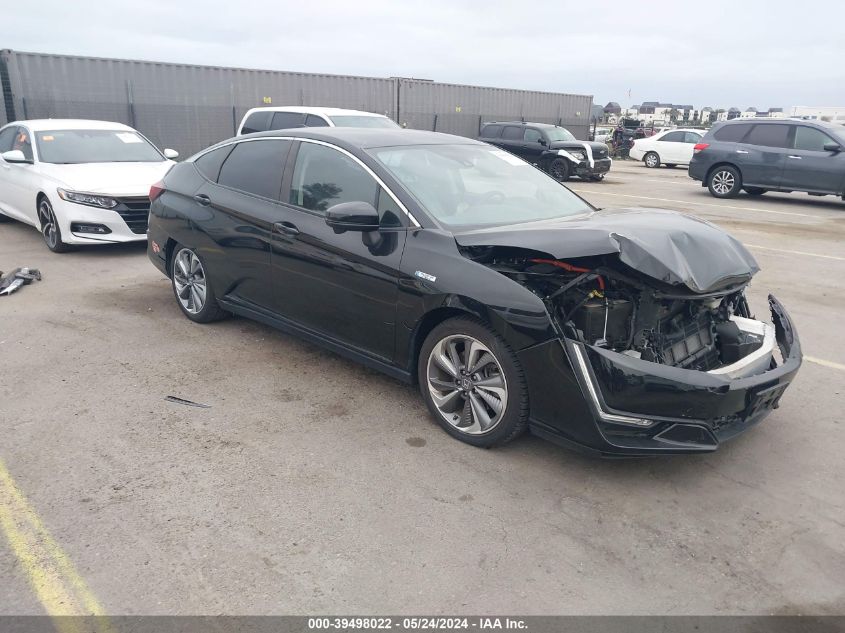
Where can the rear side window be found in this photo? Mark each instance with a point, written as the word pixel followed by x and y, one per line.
pixel 769 135
pixel 491 131
pixel 512 133
pixel 209 164
pixel 324 177
pixel 286 120
pixel 691 137
pixel 315 121
pixel 256 167
pixel 673 137
pixel 257 122
pixel 732 133
pixel 810 139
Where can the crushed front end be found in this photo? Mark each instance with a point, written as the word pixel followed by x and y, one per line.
pixel 660 368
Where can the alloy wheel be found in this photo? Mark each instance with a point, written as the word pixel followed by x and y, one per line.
pixel 723 182
pixel 48 224
pixel 467 384
pixel 189 281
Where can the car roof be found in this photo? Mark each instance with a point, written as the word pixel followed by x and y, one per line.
pixel 38 125
pixel 365 138
pixel 531 123
pixel 316 110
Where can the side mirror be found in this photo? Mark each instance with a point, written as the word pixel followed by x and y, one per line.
pixel 171 154
pixel 352 216
pixel 541 141
pixel 828 147
pixel 15 156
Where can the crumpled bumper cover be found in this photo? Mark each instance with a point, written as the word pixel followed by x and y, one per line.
pixel 644 408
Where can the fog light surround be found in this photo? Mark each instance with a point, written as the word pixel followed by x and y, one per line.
pixel 88 227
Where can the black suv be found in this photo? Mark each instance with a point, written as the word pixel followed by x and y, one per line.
pixel 553 148
pixel 760 156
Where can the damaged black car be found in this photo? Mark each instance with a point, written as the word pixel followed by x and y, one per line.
pixel 512 302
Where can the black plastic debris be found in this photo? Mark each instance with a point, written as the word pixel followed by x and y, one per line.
pixel 187 403
pixel 13 280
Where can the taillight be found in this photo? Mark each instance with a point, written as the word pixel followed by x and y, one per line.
pixel 700 147
pixel 156 190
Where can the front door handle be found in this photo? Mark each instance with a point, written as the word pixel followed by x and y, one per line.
pixel 795 157
pixel 202 199
pixel 287 228
pixel 741 151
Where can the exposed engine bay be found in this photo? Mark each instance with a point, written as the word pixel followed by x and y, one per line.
pixel 602 302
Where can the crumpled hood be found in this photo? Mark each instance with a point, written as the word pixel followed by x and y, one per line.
pixel 116 179
pixel 672 247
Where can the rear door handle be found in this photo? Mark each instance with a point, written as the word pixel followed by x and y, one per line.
pixel 287 228
pixel 202 199
pixel 741 151
pixel 795 157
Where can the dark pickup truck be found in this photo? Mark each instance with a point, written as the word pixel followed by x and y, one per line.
pixel 553 148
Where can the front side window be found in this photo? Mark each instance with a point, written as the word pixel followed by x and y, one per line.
pixel 350 120
pixel 810 139
pixel 312 120
pixel 768 135
pixel 559 134
pixel 532 136
pixel 478 185
pixel 256 167
pixel 95 146
pixel 323 177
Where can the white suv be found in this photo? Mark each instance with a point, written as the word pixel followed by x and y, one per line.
pixel 287 117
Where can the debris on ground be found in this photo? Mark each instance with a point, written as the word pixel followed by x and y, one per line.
pixel 13 280
pixel 187 403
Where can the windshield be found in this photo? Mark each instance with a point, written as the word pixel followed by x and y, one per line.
pixel 362 121
pixel 559 134
pixel 95 146
pixel 478 185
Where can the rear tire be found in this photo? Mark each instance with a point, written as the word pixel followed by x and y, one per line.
pixel 651 160
pixel 755 191
pixel 671 165
pixel 559 169
pixel 191 287
pixel 724 182
pixel 472 383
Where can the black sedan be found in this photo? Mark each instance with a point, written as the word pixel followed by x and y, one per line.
pixel 512 302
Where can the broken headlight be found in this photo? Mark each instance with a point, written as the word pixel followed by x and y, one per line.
pixel 88 199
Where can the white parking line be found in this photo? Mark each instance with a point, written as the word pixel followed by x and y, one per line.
pixel 673 182
pixel 701 204
pixel 780 250
pixel 825 363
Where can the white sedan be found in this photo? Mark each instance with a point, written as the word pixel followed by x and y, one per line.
pixel 78 181
pixel 670 148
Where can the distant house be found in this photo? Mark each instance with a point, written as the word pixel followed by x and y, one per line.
pixel 833 114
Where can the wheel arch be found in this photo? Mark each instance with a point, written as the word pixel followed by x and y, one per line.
pixel 41 195
pixel 431 320
pixel 722 163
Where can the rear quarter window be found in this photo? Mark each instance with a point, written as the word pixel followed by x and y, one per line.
pixel 257 122
pixel 209 164
pixel 491 131
pixel 732 133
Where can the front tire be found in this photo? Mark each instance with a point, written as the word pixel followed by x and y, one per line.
pixel 50 230
pixel 472 383
pixel 191 287
pixel 559 169
pixel 724 182
pixel 651 160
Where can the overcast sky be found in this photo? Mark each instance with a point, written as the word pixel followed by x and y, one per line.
pixel 705 52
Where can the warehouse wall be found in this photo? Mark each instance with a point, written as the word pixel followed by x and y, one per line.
pixel 190 107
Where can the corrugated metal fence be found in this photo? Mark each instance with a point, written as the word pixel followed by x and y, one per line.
pixel 190 107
